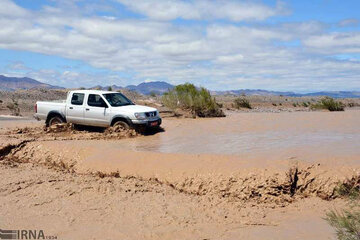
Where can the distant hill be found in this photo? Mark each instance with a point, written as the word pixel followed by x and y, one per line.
pixel 336 94
pixel 14 83
pixel 151 87
pixel 145 88
pixel 159 87
pixel 260 92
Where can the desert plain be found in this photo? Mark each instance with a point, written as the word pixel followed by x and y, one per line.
pixel 270 173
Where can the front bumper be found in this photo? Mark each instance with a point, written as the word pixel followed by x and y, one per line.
pixel 147 122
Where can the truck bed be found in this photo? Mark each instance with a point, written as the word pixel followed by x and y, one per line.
pixel 44 107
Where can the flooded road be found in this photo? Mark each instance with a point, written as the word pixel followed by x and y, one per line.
pixel 303 135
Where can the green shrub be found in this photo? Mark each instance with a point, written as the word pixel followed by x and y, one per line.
pixel 329 104
pixel 242 102
pixel 305 104
pixel 346 223
pixel 110 88
pixel 188 97
pixel 350 188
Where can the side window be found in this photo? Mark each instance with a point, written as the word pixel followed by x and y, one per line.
pixel 77 99
pixel 95 100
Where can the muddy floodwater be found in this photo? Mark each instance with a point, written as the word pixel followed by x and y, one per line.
pixel 246 176
pixel 302 135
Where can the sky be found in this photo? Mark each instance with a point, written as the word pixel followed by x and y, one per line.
pixel 283 45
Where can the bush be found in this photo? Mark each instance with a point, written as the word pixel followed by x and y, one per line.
pixel 329 104
pixel 242 102
pixel 152 94
pixel 14 107
pixel 346 224
pixel 198 101
pixel 350 188
pixel 110 88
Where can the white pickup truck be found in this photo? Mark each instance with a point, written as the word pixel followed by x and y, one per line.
pixel 97 108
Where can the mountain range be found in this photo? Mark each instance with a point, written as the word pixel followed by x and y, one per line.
pixel 14 83
pixel 261 92
pixel 145 88
pixel 159 87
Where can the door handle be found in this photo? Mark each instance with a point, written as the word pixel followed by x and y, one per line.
pixel 87 109
pixel 71 107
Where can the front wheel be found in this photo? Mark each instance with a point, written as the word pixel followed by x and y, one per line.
pixel 55 120
pixel 121 125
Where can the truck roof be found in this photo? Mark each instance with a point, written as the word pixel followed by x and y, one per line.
pixel 93 91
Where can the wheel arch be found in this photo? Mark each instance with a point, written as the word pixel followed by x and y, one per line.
pixel 52 114
pixel 121 118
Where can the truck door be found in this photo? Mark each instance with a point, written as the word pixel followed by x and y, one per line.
pixel 97 111
pixel 75 109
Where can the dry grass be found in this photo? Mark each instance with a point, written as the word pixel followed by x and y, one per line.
pixel 13 106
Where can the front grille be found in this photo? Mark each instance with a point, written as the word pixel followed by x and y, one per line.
pixel 151 114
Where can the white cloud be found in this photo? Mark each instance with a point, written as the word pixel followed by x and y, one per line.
pixel 229 58
pixel 335 42
pixel 17 66
pixel 204 9
pixel 213 54
pixel 351 22
pixel 10 9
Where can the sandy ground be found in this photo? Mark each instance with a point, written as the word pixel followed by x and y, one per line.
pixel 181 184
pixel 86 207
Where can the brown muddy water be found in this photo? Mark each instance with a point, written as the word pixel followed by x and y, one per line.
pixel 221 178
pixel 303 135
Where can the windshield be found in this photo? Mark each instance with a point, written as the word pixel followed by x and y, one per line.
pixel 117 99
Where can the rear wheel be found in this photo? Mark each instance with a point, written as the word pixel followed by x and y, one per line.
pixel 121 125
pixel 55 120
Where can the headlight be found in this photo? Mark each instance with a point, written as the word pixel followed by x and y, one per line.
pixel 140 115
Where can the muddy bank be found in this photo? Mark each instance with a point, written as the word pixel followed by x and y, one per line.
pixel 65 132
pixel 73 206
pixel 274 184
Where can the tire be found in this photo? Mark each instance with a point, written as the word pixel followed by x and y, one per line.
pixel 121 125
pixel 55 120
